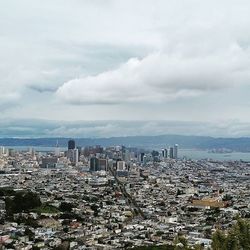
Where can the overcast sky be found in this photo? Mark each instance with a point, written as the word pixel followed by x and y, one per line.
pixel 174 60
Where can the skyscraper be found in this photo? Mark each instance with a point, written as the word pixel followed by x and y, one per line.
pixel 73 153
pixel 171 153
pixel 71 144
pixel 175 151
pixel 57 151
pixel 164 153
pixel 103 163
pixel 93 164
pixel 141 155
pixel 75 156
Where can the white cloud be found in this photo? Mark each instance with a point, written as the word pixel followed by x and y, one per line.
pixel 160 77
pixel 124 52
pixel 7 100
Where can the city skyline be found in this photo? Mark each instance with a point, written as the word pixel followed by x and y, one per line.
pixel 124 124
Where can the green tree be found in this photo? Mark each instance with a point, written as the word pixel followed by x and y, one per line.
pixel 232 241
pixel 181 243
pixel 66 207
pixel 198 247
pixel 22 202
pixel 219 240
pixel 242 232
pixel 238 237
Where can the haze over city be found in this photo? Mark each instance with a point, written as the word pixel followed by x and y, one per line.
pixel 183 67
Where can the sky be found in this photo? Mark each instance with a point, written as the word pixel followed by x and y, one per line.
pixel 161 66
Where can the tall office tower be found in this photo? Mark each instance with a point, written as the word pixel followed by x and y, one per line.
pixel 103 164
pixel 11 152
pixel 175 151
pixel 75 156
pixel 33 152
pixel 121 169
pixel 79 151
pixel 145 159
pixel 6 151
pixel 171 153
pixel 57 151
pixel 141 155
pixel 127 155
pixel 70 153
pixel 71 144
pixel 164 153
pixel 121 166
pixel 1 150
pixel 93 164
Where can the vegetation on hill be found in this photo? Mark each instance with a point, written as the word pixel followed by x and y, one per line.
pixel 47 209
pixel 236 238
pixel 22 201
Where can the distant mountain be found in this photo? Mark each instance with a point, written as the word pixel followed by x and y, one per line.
pixel 148 142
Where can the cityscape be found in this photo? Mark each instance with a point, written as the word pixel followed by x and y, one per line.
pixel 117 198
pixel 124 124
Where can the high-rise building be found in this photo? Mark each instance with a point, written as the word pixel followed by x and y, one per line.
pixel 164 153
pixel 127 155
pixel 121 165
pixel 103 164
pixel 141 155
pixel 79 151
pixel 49 162
pixel 11 152
pixel 175 151
pixel 93 164
pixel 145 159
pixel 75 156
pixel 73 152
pixel 121 169
pixel 57 151
pixel 71 144
pixel 171 153
pixel 1 150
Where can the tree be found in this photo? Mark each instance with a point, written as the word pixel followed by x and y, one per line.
pixel 22 202
pixel 219 240
pixel 66 207
pixel 232 241
pixel 242 233
pixel 238 237
pixel 227 197
pixel 198 247
pixel 181 243
pixel 29 233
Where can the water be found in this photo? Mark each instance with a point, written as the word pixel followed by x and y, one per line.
pixel 194 154
pixel 202 154
pixel 37 149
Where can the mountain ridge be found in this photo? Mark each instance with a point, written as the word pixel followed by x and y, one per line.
pixel 241 144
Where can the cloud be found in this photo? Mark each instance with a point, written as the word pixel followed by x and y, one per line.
pixel 190 53
pixel 160 77
pixel 8 100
